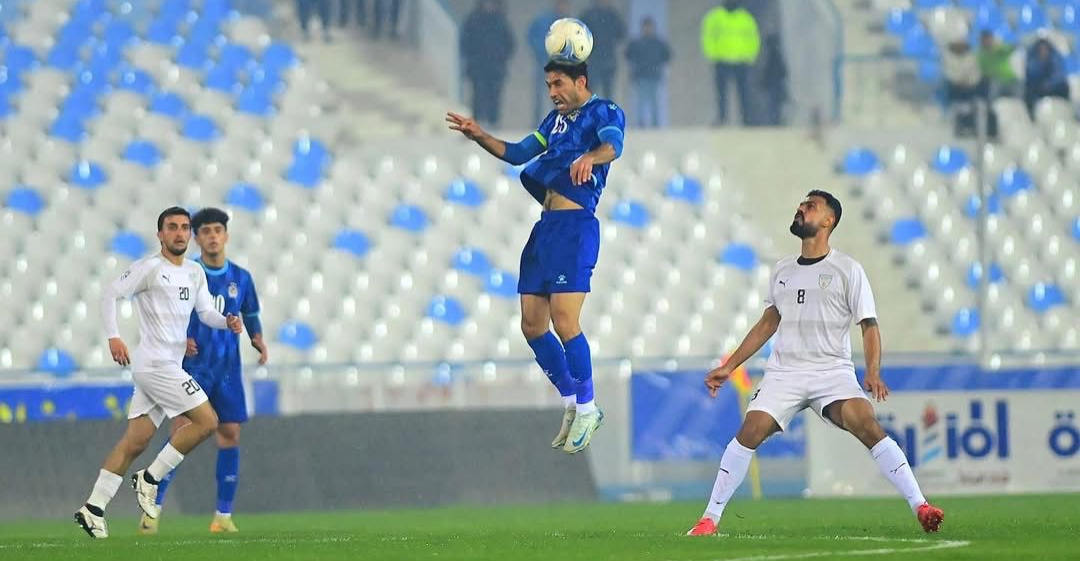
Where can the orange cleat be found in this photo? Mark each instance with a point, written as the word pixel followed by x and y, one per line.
pixel 704 527
pixel 930 517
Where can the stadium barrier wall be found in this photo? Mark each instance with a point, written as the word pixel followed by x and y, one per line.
pixel 312 462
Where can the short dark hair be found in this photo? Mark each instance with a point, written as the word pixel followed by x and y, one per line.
pixel 209 215
pixel 830 200
pixel 574 71
pixel 171 211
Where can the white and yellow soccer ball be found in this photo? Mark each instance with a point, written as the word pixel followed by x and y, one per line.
pixel 569 41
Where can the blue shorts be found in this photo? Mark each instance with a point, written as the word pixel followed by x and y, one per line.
pixel 561 253
pixel 226 394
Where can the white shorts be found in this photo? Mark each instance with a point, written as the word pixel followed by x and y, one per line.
pixel 783 394
pixel 163 391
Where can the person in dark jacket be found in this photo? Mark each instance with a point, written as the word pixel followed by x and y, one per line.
pixel 1045 74
pixel 647 55
pixel 774 81
pixel 487 44
pixel 608 29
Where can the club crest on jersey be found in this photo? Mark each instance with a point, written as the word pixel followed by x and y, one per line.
pixel 233 290
pixel 561 126
pixel 824 281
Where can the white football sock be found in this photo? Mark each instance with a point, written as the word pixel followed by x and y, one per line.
pixel 733 467
pixel 104 489
pixel 895 467
pixel 569 401
pixel 166 461
pixel 586 408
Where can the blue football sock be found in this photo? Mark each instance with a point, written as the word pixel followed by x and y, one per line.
pixel 228 474
pixel 552 359
pixel 579 359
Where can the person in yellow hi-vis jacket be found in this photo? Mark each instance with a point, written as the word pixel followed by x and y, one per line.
pixel 731 41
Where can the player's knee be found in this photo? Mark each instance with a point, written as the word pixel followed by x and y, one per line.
pixel 532 329
pixel 566 326
pixel 228 435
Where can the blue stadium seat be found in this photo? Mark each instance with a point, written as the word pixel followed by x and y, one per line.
pixel 447 310
pixel 988 16
pixel 1012 181
pixel 1060 3
pixel 255 101
pixel 974 275
pixel 929 71
pixel 1076 229
pixel 142 152
pixel 464 192
pixel 163 32
pixel 472 261
pixel 353 242
pixel 266 79
pixel 1069 18
pixel 135 80
pixel 298 335
pixel 63 57
pixel 25 200
pixel 965 323
pixel 6 109
pixel 501 283
pixel 860 161
pixel 739 255
pixel 57 362
pixel 119 33
pixel 631 213
pixel 128 244
pixel 685 188
pixel 1032 18
pixel 409 217
pixel 305 173
pixel 278 56
pixel 80 103
pixel 236 57
pixel 174 9
pixel 972 5
pixel 194 55
pixel 168 104
pixel 971 209
pixel 948 160
pixel 245 196
pixel 10 83
pixel 917 43
pixel 199 128
pixel 906 230
pixel 307 148
pixel 1044 296
pixel 899 21
pixel 87 175
pixel 223 79
pixel 69 128
pixel 931 4
pixel 19 58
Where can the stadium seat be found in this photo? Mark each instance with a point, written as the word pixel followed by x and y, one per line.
pixel 686 189
pixel 87 175
pixel 631 213
pixel 906 230
pixel 1044 296
pixel 472 261
pixel 965 323
pixel 410 218
pixel 297 335
pixel 245 196
pixel 948 160
pixel 464 192
pixel 899 21
pixel 502 284
pixel 25 200
pixel 860 162
pixel 129 245
pixel 447 310
pixel 352 242
pixel 740 256
pixel 57 362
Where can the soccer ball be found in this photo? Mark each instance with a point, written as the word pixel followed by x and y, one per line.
pixel 568 41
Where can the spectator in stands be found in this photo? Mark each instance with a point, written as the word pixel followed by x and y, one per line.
pixel 608 29
pixel 774 81
pixel 1045 74
pixel 964 83
pixel 388 14
pixel 648 55
pixel 537 32
pixel 346 7
pixel 487 44
pixel 995 64
pixel 321 8
pixel 731 41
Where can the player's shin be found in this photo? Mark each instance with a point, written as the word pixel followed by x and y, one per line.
pixel 165 462
pixel 579 362
pixel 228 475
pixel 895 467
pixel 733 467
pixel 552 359
pixel 104 489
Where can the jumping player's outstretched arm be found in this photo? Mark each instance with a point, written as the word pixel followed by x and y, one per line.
pixel 516 154
pixel 754 340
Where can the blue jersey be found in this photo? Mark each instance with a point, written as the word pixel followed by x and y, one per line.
pixel 566 138
pixel 219 349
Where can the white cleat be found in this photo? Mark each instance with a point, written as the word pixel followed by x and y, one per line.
pixel 146 493
pixel 581 431
pixel 93 524
pixel 564 430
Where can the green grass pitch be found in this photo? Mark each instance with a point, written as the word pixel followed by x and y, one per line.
pixel 998 527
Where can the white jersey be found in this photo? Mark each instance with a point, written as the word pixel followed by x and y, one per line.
pixel 818 303
pixel 165 295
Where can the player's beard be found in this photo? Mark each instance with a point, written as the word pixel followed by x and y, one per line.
pixel 175 250
pixel 802 230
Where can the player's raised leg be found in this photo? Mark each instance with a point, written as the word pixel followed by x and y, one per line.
pixel 550 355
pixel 91 517
pixel 145 482
pixel 857 417
pixel 756 427
pixel 566 316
